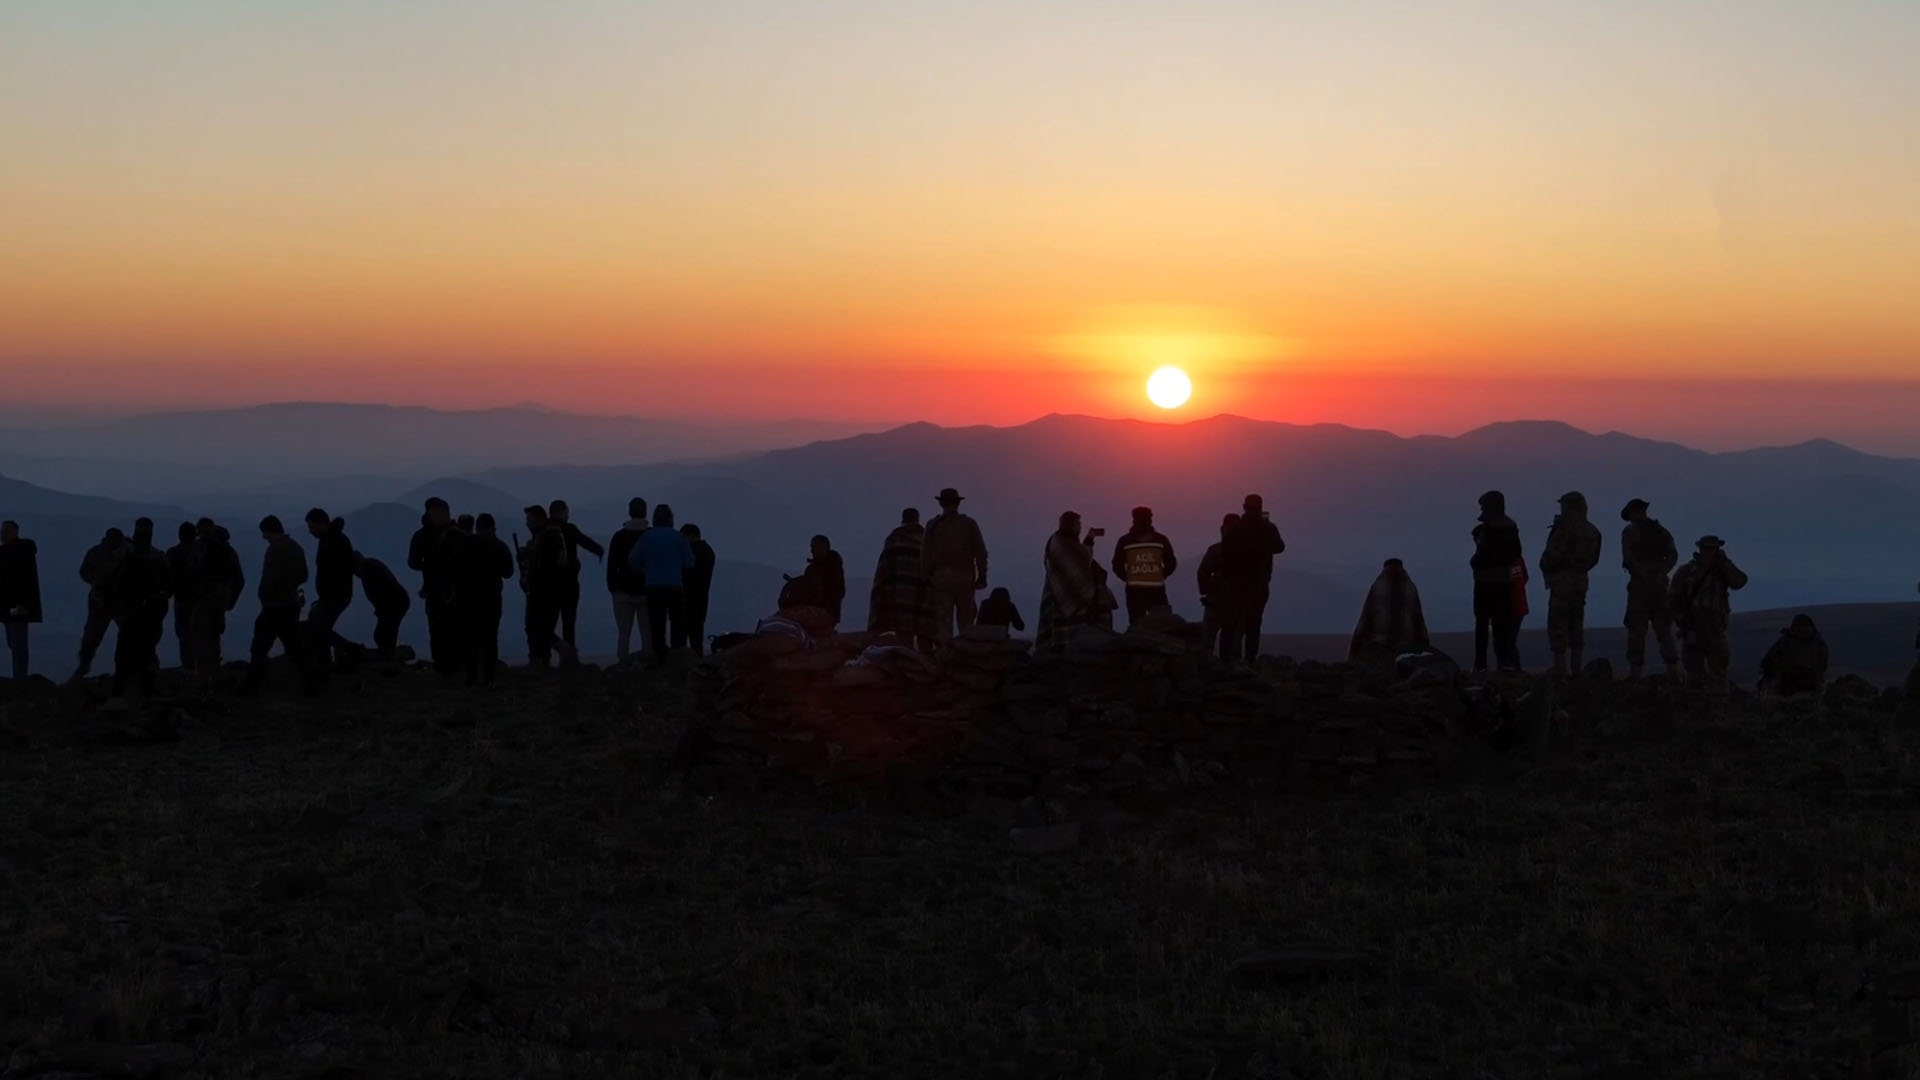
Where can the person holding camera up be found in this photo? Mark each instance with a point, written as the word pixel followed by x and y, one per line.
pixel 1076 592
pixel 1247 579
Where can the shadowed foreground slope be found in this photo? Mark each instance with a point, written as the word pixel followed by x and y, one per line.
pixel 517 885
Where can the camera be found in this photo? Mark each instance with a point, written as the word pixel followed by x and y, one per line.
pixel 1095 534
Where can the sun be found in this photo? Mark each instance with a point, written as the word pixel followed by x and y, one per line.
pixel 1169 388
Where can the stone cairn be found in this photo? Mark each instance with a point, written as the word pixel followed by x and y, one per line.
pixel 1145 710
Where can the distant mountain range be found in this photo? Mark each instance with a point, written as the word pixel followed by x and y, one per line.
pixel 226 452
pixel 1816 523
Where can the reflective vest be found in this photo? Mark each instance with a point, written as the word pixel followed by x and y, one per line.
pixel 1145 562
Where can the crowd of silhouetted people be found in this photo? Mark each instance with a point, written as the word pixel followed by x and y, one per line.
pixel 927 588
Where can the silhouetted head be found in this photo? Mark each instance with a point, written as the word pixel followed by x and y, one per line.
pixel 113 538
pixel 536 517
pixel 1394 566
pixel 557 510
pixel 143 533
pixel 910 516
pixel 1709 545
pixel 1492 504
pixel 663 516
pixel 821 545
pixel 1803 625
pixel 439 514
pixel 690 531
pixel 1254 505
pixel 637 509
pixel 464 523
pixel 9 531
pixel 1142 516
pixel 187 532
pixel 270 527
pixel 1635 510
pixel 1070 523
pixel 1228 523
pixel 950 499
pixel 1574 504
pixel 1000 594
pixel 203 527
pixel 485 525
pixel 318 522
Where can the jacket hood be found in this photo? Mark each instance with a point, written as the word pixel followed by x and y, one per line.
pixel 1573 506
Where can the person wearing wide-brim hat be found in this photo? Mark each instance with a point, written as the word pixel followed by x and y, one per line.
pixel 954 559
pixel 1703 607
pixel 1648 554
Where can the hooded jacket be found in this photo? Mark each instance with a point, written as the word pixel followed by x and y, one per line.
pixel 1144 559
pixel 1572 549
pixel 282 571
pixel 20 582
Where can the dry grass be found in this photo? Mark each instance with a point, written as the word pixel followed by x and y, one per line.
pixel 516 885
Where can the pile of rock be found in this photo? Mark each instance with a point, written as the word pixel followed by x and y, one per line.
pixel 1112 713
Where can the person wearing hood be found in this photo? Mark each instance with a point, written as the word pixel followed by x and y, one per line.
pixel 96 569
pixel 627 582
pixel 1247 574
pixel 1391 620
pixel 139 598
pixel 1216 596
pixel 183 573
pixel 283 571
pixel 953 558
pixel 218 583
pixel 666 558
pixel 901 602
pixel 486 565
pixel 562 517
pixel 1143 560
pixel 1797 662
pixel 431 553
pixel 1648 555
pixel 1571 552
pixel 332 589
pixel 1703 608
pixel 1499 585
pixel 19 593
pixel 389 601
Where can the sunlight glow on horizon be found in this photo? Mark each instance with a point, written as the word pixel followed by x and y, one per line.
pixel 1003 208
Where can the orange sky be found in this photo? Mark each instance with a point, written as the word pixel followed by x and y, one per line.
pixel 978 212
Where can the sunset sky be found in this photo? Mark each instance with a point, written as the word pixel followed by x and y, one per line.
pixel 1406 216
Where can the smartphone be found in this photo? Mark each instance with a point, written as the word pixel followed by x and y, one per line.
pixel 1095 534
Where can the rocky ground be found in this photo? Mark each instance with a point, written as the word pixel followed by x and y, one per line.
pixel 406 880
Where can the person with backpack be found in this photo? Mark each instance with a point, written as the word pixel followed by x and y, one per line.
pixel 1648 555
pixel 627 582
pixel 665 558
pixel 1571 553
pixel 698 594
pixel 218 583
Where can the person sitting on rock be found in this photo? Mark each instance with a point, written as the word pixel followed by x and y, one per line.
pixel 998 610
pixel 1391 621
pixel 1797 663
